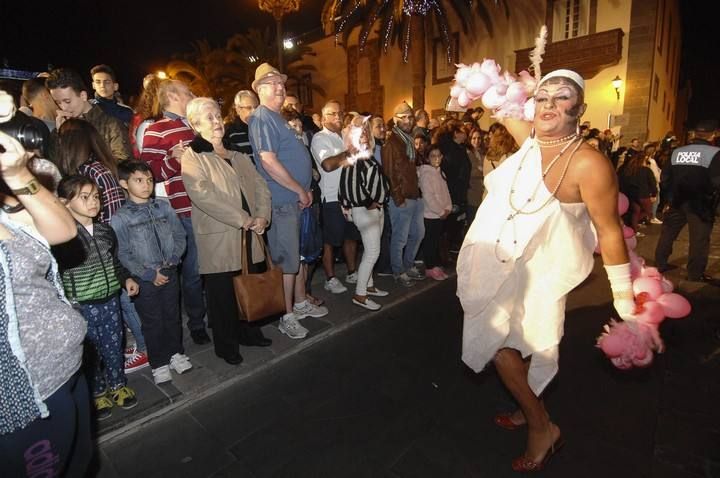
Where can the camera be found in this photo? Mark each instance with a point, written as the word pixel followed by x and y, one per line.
pixel 21 128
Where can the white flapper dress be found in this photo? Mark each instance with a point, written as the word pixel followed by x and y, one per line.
pixel 515 270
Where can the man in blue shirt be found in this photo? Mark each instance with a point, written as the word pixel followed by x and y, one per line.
pixel 285 164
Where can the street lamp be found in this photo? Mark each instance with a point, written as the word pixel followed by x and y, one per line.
pixel 617 83
pixel 278 9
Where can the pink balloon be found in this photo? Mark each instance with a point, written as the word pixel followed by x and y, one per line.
pixel 675 306
pixel 667 286
pixel 646 284
pixel 645 360
pixel 455 90
pixel 631 242
pixel 462 74
pixel 620 363
pixel 612 345
pixel 527 80
pixel 628 232
pixel 516 93
pixel 623 203
pixel 652 313
pixel 651 272
pixel 477 83
pixel 463 99
pixel 529 109
pixel 491 69
pixel 491 99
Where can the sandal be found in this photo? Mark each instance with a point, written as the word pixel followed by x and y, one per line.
pixel 504 420
pixel 524 464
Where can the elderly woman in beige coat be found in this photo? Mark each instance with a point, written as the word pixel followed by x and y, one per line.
pixel 228 198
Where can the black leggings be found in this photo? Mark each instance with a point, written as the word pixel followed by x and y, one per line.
pixel 58 445
pixel 431 242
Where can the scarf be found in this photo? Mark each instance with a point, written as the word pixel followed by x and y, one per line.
pixel 409 143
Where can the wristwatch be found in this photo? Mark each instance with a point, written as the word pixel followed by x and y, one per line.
pixel 32 187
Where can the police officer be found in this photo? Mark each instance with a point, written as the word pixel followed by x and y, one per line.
pixel 691 183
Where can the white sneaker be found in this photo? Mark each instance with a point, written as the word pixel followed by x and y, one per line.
pixel 369 304
pixel 335 286
pixel 180 363
pixel 306 309
pixel 161 375
pixel 655 221
pixel 351 278
pixel 291 327
pixel 377 292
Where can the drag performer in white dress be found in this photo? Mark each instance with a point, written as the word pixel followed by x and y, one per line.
pixel 530 244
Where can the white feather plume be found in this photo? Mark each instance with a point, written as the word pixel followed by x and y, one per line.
pixel 538 52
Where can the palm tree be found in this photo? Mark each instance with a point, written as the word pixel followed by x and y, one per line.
pixel 257 46
pixel 401 21
pixel 208 71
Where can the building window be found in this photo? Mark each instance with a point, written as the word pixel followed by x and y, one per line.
pixel 571 19
pixel 662 26
pixel 656 87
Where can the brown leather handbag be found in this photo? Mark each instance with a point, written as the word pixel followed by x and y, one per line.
pixel 259 295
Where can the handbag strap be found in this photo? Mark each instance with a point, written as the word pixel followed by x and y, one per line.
pixel 248 246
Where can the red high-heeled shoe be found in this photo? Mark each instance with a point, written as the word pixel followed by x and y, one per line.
pixel 504 420
pixel 524 464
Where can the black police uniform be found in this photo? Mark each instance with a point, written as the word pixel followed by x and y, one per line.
pixel 691 183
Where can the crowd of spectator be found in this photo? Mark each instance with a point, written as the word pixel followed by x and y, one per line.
pixel 166 195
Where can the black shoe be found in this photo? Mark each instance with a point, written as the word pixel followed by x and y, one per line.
pixel 253 337
pixel 200 337
pixel 256 342
pixel 703 278
pixel 234 359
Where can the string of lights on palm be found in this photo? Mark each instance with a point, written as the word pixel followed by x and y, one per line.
pixel 395 19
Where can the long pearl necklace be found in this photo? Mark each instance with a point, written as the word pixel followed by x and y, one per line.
pixel 516 211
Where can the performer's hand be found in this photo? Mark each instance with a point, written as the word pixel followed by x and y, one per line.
pixel 625 308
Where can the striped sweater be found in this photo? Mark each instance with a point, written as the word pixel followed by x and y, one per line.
pixel 90 269
pixel 160 137
pixel 363 184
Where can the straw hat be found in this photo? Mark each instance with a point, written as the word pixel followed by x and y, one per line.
pixel 265 72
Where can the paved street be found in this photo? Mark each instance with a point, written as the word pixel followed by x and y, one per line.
pixel 389 397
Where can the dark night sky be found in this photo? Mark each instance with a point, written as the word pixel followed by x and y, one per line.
pixel 137 37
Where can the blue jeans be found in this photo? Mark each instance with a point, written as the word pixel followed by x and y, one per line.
pixel 408 230
pixel 132 320
pixel 192 289
pixel 159 309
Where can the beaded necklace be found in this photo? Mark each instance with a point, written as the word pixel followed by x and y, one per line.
pixel 555 142
pixel 516 211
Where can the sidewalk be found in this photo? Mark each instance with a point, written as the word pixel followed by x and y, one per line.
pixel 211 374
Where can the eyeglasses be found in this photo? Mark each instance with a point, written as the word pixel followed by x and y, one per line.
pixel 334 113
pixel 246 107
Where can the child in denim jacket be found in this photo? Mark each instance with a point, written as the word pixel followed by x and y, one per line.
pixel 151 242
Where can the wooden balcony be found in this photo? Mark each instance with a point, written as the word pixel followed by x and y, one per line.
pixel 586 55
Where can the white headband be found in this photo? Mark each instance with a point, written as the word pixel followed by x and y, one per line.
pixel 563 74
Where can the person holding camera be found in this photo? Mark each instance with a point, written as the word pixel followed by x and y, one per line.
pixel 45 409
